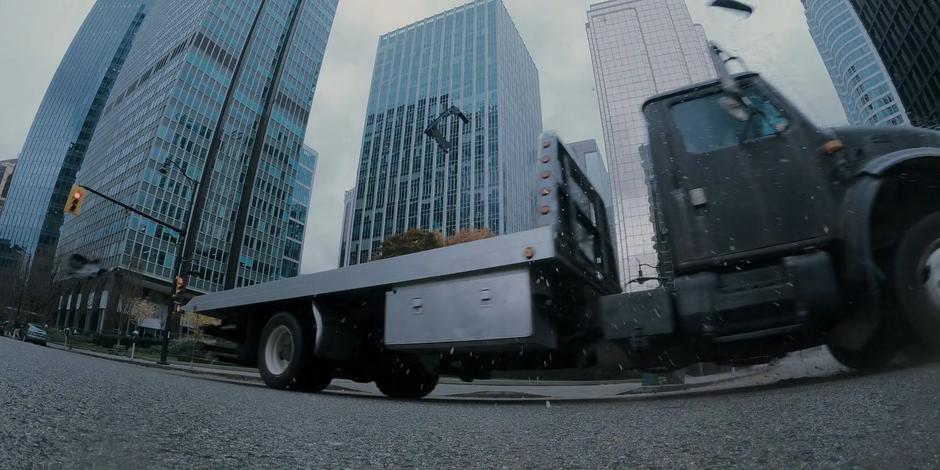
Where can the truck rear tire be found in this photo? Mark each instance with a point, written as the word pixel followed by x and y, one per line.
pixel 917 278
pixel 285 355
pixel 407 378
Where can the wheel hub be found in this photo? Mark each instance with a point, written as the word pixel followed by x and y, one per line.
pixel 279 350
pixel 931 273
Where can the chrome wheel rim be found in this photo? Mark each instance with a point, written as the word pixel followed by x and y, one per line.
pixel 931 273
pixel 279 350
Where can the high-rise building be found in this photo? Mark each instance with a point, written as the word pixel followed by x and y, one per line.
pixel 7 167
pixel 858 74
pixel 298 213
pixel 349 205
pixel 471 57
pixel 638 48
pixel 210 112
pixel 906 34
pixel 67 118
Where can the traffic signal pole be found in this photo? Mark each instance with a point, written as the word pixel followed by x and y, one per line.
pixel 179 281
pixel 142 214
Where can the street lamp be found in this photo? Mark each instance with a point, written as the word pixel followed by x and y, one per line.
pixel 179 280
pixel 434 131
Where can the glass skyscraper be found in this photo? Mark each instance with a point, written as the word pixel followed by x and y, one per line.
pixel 219 93
pixel 297 214
pixel 906 34
pixel 349 204
pixel 471 57
pixel 639 48
pixel 58 139
pixel 858 74
pixel 7 167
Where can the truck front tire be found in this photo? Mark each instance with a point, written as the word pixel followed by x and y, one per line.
pixel 917 278
pixel 406 378
pixel 285 355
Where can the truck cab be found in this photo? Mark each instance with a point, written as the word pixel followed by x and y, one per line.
pixel 775 235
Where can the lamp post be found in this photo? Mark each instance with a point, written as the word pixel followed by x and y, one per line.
pixel 179 281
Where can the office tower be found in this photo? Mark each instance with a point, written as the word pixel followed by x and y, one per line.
pixel 638 48
pixel 906 34
pixel 299 211
pixel 64 124
pixel 209 114
pixel 349 204
pixel 471 57
pixel 858 74
pixel 7 167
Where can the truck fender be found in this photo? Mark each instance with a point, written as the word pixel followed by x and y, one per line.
pixel 879 165
pixel 860 273
pixel 335 339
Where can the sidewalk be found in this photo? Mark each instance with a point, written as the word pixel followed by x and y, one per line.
pixel 452 388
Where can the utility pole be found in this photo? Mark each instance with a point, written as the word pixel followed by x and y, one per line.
pixel 181 279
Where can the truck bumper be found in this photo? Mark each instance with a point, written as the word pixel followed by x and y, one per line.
pixel 798 293
pixel 727 317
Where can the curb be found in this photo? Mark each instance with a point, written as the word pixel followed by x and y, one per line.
pixel 169 367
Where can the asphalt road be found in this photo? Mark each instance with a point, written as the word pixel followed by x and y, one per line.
pixel 62 409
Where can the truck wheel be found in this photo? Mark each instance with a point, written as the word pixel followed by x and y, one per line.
pixel 285 355
pixel 408 379
pixel 917 278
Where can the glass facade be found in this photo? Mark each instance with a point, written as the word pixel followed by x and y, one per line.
pixel 298 212
pixel 473 57
pixel 63 126
pixel 222 90
pixel 7 167
pixel 349 205
pixel 638 48
pixel 906 34
pixel 864 87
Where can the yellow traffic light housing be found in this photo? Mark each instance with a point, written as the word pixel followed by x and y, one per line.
pixel 73 205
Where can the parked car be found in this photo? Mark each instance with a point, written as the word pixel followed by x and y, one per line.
pixel 34 333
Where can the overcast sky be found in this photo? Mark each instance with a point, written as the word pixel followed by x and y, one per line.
pixel 773 41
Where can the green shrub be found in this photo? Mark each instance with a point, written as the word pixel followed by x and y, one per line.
pixel 412 241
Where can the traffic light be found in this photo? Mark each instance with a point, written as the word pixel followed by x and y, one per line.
pixel 180 285
pixel 73 205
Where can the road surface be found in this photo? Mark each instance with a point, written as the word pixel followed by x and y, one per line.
pixel 63 409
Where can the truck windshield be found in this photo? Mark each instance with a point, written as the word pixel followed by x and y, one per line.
pixel 706 127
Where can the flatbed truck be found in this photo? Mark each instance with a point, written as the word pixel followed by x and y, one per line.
pixel 773 235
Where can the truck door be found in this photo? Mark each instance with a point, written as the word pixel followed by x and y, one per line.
pixel 743 187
